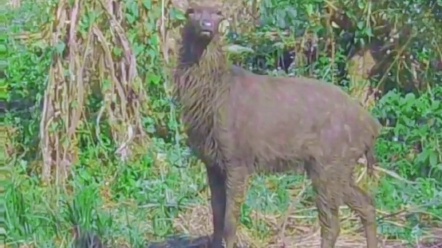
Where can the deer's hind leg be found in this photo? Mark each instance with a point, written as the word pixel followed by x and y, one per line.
pixel 361 203
pixel 327 203
pixel 328 216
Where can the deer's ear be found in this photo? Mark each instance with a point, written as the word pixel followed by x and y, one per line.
pixel 190 11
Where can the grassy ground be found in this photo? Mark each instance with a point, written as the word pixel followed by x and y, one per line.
pixel 150 199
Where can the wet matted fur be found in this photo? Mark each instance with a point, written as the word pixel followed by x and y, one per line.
pixel 240 123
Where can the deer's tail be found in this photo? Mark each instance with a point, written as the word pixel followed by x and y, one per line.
pixel 371 160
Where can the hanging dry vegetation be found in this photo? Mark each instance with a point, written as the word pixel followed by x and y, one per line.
pixel 92 52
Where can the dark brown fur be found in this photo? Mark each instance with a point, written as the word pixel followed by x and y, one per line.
pixel 240 123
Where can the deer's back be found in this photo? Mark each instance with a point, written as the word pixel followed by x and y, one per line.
pixel 278 118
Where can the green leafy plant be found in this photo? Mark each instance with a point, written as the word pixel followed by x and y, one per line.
pixel 412 137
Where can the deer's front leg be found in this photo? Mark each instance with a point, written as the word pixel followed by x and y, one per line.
pixel 217 183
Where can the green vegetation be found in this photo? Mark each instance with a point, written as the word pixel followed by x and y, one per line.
pixel 95 141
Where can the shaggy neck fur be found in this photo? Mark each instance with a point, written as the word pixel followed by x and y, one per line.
pixel 202 77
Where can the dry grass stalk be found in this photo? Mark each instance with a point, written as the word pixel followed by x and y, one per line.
pixel 14 4
pixel 88 59
pixel 7 134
